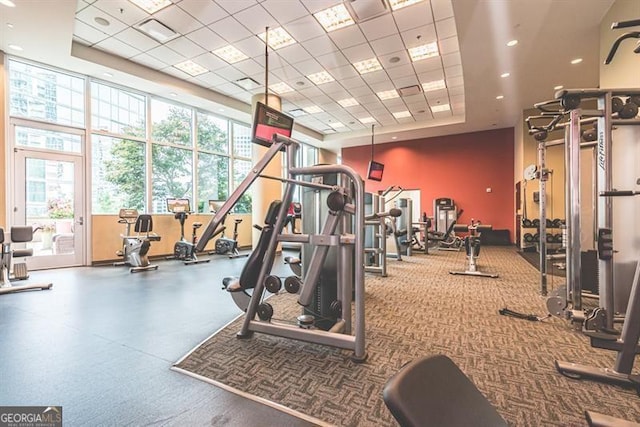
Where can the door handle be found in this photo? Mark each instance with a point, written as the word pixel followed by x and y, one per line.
pixel 80 221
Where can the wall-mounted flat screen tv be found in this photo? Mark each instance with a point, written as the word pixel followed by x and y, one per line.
pixel 268 121
pixel 375 171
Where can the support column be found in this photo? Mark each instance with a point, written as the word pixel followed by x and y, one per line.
pixel 264 191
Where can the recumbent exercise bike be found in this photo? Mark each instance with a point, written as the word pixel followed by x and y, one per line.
pixel 135 248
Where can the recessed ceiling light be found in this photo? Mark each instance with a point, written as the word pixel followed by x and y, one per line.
pixel 511 43
pixel 576 61
pixel 173 94
pixel 558 87
pixel 151 6
pixel 402 114
pixel 297 112
pixel 503 75
pixel 157 30
pixel 348 102
pixel 247 83
pixel 399 4
pixel 278 38
pixel 191 68
pixel 101 21
pixel 500 97
pixel 230 54
pixel 440 108
pixel 7 3
pixel 394 59
pixel 394 137
pixel 107 74
pixel 336 125
pixel 388 94
pixel 281 88
pixel 367 120
pixel 15 47
pixel 334 17
pixel 424 51
pixel 313 109
pixel 434 85
pixel 368 65
pixel 320 78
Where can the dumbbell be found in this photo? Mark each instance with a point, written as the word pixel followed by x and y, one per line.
pixel 536 237
pixel 550 238
pixel 549 223
pixel 535 223
pixel 590 135
pixel 557 238
pixel 616 104
pixel 526 222
pixel 528 237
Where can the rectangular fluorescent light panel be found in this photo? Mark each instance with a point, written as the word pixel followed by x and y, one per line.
pixel 230 54
pixel 367 120
pixel 334 18
pixel 321 78
pixel 157 30
pixel 348 102
pixel 368 65
pixel 314 109
pixel 399 4
pixel 336 125
pixel 280 88
pixel 278 38
pixel 424 51
pixel 440 108
pixel 297 112
pixel 434 85
pixel 191 68
pixel 402 114
pixel 151 6
pixel 388 94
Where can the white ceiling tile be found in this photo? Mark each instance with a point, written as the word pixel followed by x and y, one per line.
pixel 311 92
pixel 390 44
pixel 446 28
pixel 88 15
pixel 148 61
pixel 166 55
pixel 449 45
pixel 437 100
pixel 210 61
pixel 124 10
pixel 173 71
pixel 275 61
pixel 81 5
pixel 88 33
pixel 285 10
pixel 413 16
pixel 318 5
pixel 338 94
pixel 233 6
pixel 305 28
pixel 379 27
pixel 359 52
pixel 177 19
pixel 437 94
pixel 294 53
pixel 230 30
pixel 419 36
pixel 319 46
pixel 404 70
pixel 249 67
pixel 252 46
pixel 442 9
pixel 210 79
pixel 229 88
pixel 353 82
pixel 205 11
pixel 255 19
pixel 394 103
pixel 331 88
pixel 230 73
pixel 453 71
pixel 332 60
pixel 360 90
pixel 137 39
pixel 429 64
pixel 185 47
pixel 455 81
pixel 321 98
pixel 458 99
pixel 416 101
pixel 310 66
pixel 287 73
pixel 376 77
pixel 347 37
pixel 458 90
pixel 406 81
pixel 117 47
pixel 429 76
pixel 344 72
pixel 451 59
pixel 207 39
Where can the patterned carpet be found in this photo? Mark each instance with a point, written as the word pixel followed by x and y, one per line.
pixel 420 309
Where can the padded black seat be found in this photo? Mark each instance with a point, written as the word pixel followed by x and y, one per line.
pixel 433 391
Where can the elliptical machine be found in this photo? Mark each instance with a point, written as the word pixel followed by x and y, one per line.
pixel 184 250
pixel 135 248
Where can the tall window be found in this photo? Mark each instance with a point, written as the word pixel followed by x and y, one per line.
pixel 170 123
pixel 43 94
pixel 242 164
pixel 117 111
pixel 213 159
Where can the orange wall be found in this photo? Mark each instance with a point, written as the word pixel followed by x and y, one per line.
pixel 461 167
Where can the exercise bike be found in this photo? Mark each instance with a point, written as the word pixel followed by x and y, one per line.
pixel 472 248
pixel 183 250
pixel 225 245
pixel 135 249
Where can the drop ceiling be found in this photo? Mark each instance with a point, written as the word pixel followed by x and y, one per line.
pixel 94 36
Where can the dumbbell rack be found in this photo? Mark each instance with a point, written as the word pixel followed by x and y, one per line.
pixel 533 239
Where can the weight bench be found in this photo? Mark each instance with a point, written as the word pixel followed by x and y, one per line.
pixel 21 234
pixel 433 391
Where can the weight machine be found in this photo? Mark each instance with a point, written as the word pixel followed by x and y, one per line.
pixel 472 248
pixel 20 234
pixel 376 233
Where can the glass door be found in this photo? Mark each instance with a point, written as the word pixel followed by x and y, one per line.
pixel 48 196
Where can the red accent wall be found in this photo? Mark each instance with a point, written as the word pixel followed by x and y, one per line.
pixel 461 167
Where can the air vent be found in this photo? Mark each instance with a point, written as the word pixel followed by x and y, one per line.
pixel 363 10
pixel 409 90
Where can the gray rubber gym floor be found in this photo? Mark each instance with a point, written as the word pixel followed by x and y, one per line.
pixel 101 343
